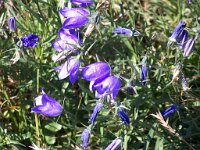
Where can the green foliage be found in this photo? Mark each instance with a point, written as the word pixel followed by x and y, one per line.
pixel 20 82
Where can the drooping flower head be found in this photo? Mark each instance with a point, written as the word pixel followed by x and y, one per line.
pixel 12 24
pixel 178 29
pixel 96 110
pixel 69 68
pixel 143 74
pixel 96 72
pixel 122 114
pixel 183 38
pixel 188 47
pixel 169 111
pixel 85 136
pixel 30 40
pixel 47 106
pixel 109 86
pixel 82 3
pixel 120 30
pixel 75 17
pixel 115 145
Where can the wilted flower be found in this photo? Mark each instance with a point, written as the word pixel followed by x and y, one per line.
pixel 176 72
pixel 115 145
pixel 75 17
pixel 188 47
pixel 69 68
pixel 184 83
pixel 143 74
pixel 178 29
pixel 82 3
pixel 30 40
pixel 183 38
pixel 47 106
pixel 120 30
pixel 122 114
pixel 85 136
pixel 169 111
pixel 12 24
pixel 96 110
pixel 96 71
pixel 109 86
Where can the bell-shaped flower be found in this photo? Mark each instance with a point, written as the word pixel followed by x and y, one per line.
pixel 115 145
pixel 85 137
pixel 75 17
pixel 109 86
pixel 47 106
pixel 177 31
pixel 120 30
pixel 30 40
pixel 12 24
pixel 68 40
pixel 96 110
pixel 169 111
pixel 82 3
pixel 95 71
pixel 183 38
pixel 188 47
pixel 69 68
pixel 122 114
pixel 143 74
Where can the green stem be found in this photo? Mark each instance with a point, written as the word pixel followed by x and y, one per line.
pixel 36 116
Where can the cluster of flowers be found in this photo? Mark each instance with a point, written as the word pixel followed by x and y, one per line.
pixel 180 35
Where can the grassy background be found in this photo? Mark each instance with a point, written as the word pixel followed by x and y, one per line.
pixel 20 83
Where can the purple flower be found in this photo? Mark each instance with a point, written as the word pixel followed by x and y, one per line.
pixel 68 40
pixel 122 114
pixel 189 1
pixel 183 38
pixel 85 136
pixel 47 106
pixel 95 71
pixel 143 74
pixel 178 29
pixel 82 3
pixel 30 40
pixel 169 111
pixel 120 30
pixel 109 86
pixel 75 17
pixel 69 68
pixel 12 24
pixel 188 47
pixel 115 145
pixel 96 110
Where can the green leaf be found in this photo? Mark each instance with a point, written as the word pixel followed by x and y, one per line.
pixel 53 127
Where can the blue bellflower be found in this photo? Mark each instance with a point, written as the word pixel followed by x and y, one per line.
pixel 82 3
pixel 96 71
pixel 178 29
pixel 96 110
pixel 47 106
pixel 109 86
pixel 115 145
pixel 69 68
pixel 143 74
pixel 122 114
pixel 75 17
pixel 188 47
pixel 169 111
pixel 183 38
pixel 12 24
pixel 85 136
pixel 30 40
pixel 120 30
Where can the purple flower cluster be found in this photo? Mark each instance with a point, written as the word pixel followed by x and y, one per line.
pixel 180 35
pixel 30 40
pixel 69 41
